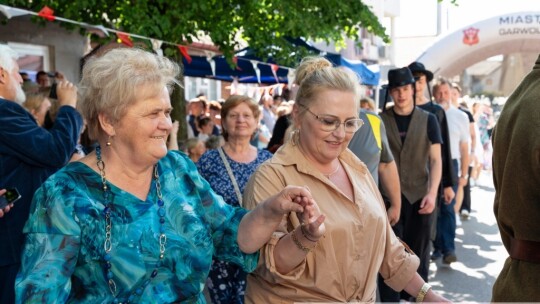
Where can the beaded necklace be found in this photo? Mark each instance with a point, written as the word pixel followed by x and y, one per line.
pixel 107 245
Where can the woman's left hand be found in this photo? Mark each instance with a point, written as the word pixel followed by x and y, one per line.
pixel 312 221
pixel 290 199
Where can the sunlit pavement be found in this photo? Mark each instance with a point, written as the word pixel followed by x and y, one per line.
pixel 479 250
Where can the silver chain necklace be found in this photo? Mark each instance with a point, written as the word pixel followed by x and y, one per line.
pixel 329 175
pixel 107 245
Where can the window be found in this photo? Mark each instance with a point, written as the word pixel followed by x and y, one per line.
pixel 32 58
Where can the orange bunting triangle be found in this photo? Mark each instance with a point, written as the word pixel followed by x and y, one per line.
pixel 47 13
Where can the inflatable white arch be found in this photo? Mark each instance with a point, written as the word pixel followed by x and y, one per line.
pixel 504 34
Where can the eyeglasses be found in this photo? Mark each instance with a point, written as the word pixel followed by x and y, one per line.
pixel 330 123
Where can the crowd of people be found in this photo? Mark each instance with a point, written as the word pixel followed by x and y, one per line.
pixel 317 196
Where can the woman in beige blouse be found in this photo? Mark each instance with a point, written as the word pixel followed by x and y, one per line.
pixel 334 257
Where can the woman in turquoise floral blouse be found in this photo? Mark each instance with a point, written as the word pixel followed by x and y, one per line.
pixel 132 222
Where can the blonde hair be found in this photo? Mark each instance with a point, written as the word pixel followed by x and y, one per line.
pixel 369 102
pixel 317 73
pixel 33 102
pixel 112 82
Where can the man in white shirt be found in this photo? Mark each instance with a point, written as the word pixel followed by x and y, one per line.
pixel 268 115
pixel 458 126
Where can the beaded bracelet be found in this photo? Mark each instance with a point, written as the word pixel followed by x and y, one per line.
pixel 298 243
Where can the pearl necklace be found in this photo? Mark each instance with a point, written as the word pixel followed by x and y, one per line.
pixel 107 245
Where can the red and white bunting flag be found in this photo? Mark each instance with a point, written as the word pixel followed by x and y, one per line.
pixel 275 68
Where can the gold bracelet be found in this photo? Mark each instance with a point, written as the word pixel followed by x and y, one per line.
pixel 423 291
pixel 298 243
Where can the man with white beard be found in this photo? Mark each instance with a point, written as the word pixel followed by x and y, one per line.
pixel 29 154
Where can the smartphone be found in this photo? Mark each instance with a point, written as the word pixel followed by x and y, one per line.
pixel 10 197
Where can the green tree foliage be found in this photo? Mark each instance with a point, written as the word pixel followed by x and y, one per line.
pixel 264 24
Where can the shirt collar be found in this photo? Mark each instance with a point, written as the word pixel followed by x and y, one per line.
pixel 290 155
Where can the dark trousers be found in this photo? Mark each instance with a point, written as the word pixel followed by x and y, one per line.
pixel 466 205
pixel 7 283
pixel 415 230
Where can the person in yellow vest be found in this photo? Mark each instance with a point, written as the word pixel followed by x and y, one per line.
pixel 370 145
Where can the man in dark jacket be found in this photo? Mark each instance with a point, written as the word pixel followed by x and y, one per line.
pixel 29 154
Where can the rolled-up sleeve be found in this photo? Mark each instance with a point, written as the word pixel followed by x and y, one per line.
pixel 399 264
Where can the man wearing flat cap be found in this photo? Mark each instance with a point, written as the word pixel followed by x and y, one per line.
pixel 415 141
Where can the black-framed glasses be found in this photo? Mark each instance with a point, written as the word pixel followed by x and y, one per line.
pixel 330 123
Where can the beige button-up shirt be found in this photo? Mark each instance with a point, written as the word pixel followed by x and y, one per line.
pixel 359 241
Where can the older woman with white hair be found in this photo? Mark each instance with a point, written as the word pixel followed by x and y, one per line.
pixel 132 222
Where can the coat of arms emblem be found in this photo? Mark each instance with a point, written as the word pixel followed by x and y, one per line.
pixel 470 36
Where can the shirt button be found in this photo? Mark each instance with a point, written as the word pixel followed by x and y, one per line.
pixel 357 257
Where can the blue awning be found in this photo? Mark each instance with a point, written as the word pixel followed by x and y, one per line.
pixel 367 76
pixel 269 72
pixel 245 71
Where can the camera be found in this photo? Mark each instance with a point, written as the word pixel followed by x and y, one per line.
pixel 52 92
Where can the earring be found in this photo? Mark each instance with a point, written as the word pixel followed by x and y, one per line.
pixel 295 134
pixel 108 142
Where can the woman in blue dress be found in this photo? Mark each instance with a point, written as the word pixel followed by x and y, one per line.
pixel 132 222
pixel 227 281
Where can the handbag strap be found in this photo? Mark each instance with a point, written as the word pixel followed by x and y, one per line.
pixel 231 176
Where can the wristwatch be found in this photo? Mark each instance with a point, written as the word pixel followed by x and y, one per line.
pixel 423 291
pixel 466 176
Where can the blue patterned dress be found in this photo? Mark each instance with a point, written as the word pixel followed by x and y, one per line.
pixel 63 257
pixel 227 282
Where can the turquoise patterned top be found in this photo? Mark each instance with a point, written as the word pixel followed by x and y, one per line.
pixel 63 256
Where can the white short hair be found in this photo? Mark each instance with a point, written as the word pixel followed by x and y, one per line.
pixel 7 56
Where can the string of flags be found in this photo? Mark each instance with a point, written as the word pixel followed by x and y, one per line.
pixel 127 38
